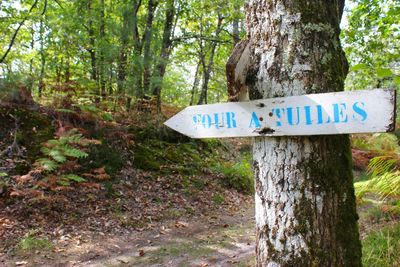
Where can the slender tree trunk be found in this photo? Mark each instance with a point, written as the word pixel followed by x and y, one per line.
pixel 31 74
pixel 137 46
pixel 59 68
pixel 67 74
pixel 92 43
pixel 195 83
pixel 208 69
pixel 121 75
pixel 123 57
pixel 42 59
pixel 305 203
pixel 137 42
pixel 235 25
pixel 110 80
pixel 166 48
pixel 102 63
pixel 147 45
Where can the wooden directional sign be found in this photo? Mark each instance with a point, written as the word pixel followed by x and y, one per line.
pixel 317 114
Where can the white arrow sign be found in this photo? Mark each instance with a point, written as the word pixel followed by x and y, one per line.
pixel 364 111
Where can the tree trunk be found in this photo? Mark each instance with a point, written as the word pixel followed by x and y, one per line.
pixel 42 59
pixel 195 83
pixel 123 54
pixel 207 69
pixel 305 203
pixel 31 74
pixel 147 45
pixel 137 46
pixel 235 24
pixel 102 63
pixel 110 80
pixel 67 73
pixel 92 42
pixel 166 48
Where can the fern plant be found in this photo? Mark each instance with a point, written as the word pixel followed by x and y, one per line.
pixel 67 148
pixel 383 169
pixel 385 185
pixel 385 181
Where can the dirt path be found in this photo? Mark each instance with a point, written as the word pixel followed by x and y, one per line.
pixel 218 240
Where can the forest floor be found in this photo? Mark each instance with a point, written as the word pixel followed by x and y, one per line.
pixel 217 239
pixel 222 237
pixel 167 201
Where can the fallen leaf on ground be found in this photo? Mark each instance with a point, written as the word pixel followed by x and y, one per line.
pixel 180 224
pixel 123 261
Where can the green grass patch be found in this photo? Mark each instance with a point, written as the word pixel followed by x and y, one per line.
pixel 381 247
pixel 218 199
pixel 30 244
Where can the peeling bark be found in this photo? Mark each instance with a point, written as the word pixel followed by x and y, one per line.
pixel 305 203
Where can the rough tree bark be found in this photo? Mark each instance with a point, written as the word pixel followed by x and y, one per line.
pixel 305 204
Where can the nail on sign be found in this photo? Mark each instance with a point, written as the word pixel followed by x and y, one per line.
pixel 363 111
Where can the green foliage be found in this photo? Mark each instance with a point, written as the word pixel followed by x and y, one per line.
pixel 383 169
pixel 59 150
pixel 372 42
pixel 67 148
pixel 237 175
pixel 381 248
pixel 47 164
pixel 381 165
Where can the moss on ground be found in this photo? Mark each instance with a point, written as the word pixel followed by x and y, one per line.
pixel 184 158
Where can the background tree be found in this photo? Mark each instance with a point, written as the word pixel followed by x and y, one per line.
pixel 116 52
